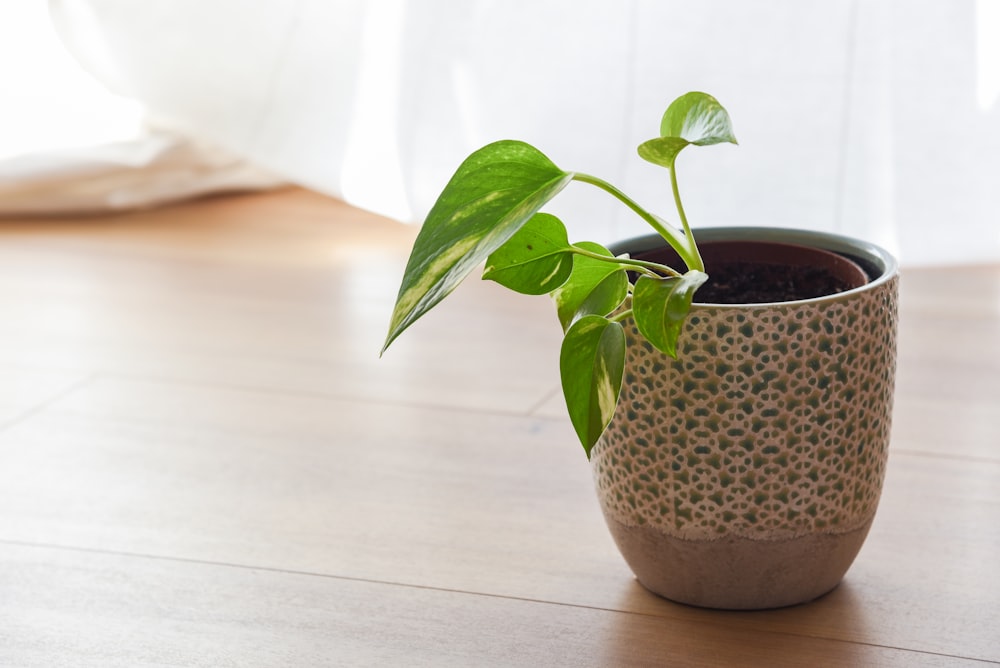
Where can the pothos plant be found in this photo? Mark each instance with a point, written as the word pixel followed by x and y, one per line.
pixel 489 212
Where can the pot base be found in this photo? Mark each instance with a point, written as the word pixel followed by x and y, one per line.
pixel 738 573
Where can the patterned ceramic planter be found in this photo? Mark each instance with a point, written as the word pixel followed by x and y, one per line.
pixel 746 473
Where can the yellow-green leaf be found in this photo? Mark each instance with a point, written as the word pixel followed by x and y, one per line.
pixel 698 118
pixel 591 365
pixel 492 194
pixel 694 118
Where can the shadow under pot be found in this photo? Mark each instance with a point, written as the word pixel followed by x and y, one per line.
pixel 746 473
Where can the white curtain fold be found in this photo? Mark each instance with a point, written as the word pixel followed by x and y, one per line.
pixel 155 168
pixel 874 118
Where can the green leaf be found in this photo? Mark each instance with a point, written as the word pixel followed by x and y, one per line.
pixel 594 287
pixel 660 306
pixel 536 260
pixel 662 151
pixel 693 118
pixel 591 365
pixel 493 193
pixel 698 118
pixel 606 296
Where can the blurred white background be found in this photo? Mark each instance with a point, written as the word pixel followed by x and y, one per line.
pixel 875 118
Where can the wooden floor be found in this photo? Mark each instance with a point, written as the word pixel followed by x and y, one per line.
pixel 203 462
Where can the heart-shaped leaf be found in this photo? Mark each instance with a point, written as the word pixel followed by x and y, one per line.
pixel 536 260
pixel 594 287
pixel 660 306
pixel 591 365
pixel 697 118
pixel 493 193
pixel 693 118
pixel 662 151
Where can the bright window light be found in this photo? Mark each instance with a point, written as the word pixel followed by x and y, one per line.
pixel 49 102
pixel 987 53
pixel 372 177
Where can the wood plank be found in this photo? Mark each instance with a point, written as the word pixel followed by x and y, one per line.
pixel 161 294
pixel 949 324
pixel 90 609
pixel 200 383
pixel 484 503
pixel 26 389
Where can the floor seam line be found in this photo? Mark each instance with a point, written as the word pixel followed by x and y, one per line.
pixel 30 412
pixel 389 583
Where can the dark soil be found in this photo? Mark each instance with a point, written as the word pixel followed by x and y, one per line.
pixel 756 283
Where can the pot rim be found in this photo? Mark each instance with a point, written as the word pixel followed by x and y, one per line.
pixel 880 265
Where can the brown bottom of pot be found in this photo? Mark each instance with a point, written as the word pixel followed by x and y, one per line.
pixel 737 573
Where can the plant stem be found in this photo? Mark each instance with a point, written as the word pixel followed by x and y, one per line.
pixel 682 242
pixel 651 268
pixel 619 317
pixel 699 263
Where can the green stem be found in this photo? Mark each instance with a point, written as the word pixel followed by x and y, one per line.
pixel 699 264
pixel 682 242
pixel 619 317
pixel 651 268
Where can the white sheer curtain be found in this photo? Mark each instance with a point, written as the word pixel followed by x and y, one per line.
pixel 879 118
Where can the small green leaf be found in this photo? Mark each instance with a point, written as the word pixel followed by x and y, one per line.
pixel 606 296
pixel 662 151
pixel 693 118
pixel 591 365
pixel 594 287
pixel 536 260
pixel 492 194
pixel 660 306
pixel 699 119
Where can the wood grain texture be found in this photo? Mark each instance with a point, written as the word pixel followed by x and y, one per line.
pixel 204 462
pixel 100 609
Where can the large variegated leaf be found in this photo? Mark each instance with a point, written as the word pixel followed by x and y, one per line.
pixel 489 198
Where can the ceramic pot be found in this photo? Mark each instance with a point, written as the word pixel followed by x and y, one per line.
pixel 746 473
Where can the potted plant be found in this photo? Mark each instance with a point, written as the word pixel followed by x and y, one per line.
pixel 738 441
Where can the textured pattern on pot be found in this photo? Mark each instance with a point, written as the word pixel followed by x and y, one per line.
pixel 772 425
